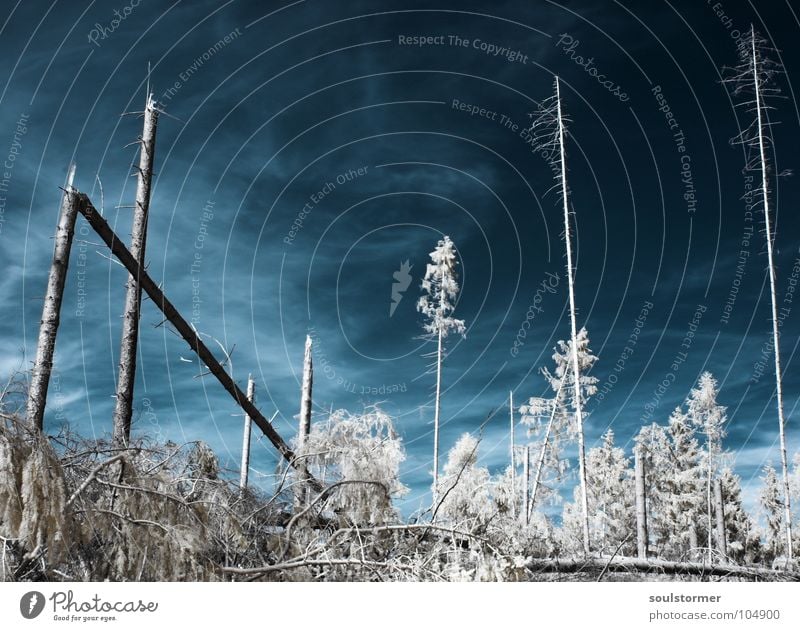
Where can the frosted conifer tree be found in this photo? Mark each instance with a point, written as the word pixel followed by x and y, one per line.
pixel 771 502
pixel 684 482
pixel 741 534
pixel 709 419
pixel 652 441
pixel 440 287
pixel 611 503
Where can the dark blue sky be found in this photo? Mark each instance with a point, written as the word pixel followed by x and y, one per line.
pixel 333 112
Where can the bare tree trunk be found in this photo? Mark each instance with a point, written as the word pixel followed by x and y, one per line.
pixel 184 329
pixel 123 409
pixel 722 544
pixel 787 506
pixel 513 457
pixel 248 423
pixel 526 476
pixel 693 543
pixel 545 442
pixel 641 504
pixel 304 427
pixel 436 419
pixel 575 367
pixel 709 514
pixel 51 311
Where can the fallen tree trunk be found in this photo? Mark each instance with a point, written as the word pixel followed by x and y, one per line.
pixel 658 566
pixel 148 285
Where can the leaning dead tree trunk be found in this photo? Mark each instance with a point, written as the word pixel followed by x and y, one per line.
pixel 513 457
pixel 545 444
pixel 641 504
pixel 133 294
pixel 51 311
pixel 575 368
pixel 185 330
pixel 787 517
pixel 248 423
pixel 304 428
pixel 722 544
pixel 753 76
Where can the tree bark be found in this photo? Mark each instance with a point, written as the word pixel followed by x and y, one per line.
pixel 248 422
pixel 722 544
pixel 304 425
pixel 545 442
pixel 436 419
pixel 787 505
pixel 657 566
pixel 513 457
pixel 575 369
pixel 526 479
pixel 693 543
pixel 184 329
pixel 51 311
pixel 123 409
pixel 641 504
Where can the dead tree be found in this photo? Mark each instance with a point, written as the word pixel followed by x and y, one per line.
pixel 123 409
pixel 641 504
pixel 513 457
pixel 754 77
pixel 248 422
pixel 304 422
pixel 722 544
pixel 185 330
pixel 548 133
pixel 526 480
pixel 51 311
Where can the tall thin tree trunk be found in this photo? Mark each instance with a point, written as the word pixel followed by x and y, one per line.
pixel 526 476
pixel 123 409
pixel 641 504
pixel 722 544
pixel 436 419
pixel 51 311
pixel 545 443
pixel 513 457
pixel 709 514
pixel 693 543
pixel 248 423
pixel 787 506
pixel 575 367
pixel 304 428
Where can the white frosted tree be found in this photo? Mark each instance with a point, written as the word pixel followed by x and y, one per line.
pixel 361 453
pixel 684 482
pixel 549 133
pixel 771 502
pixel 743 541
pixel 552 420
pixel 611 501
pixel 709 418
pixel 754 80
pixel 464 499
pixel 440 290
